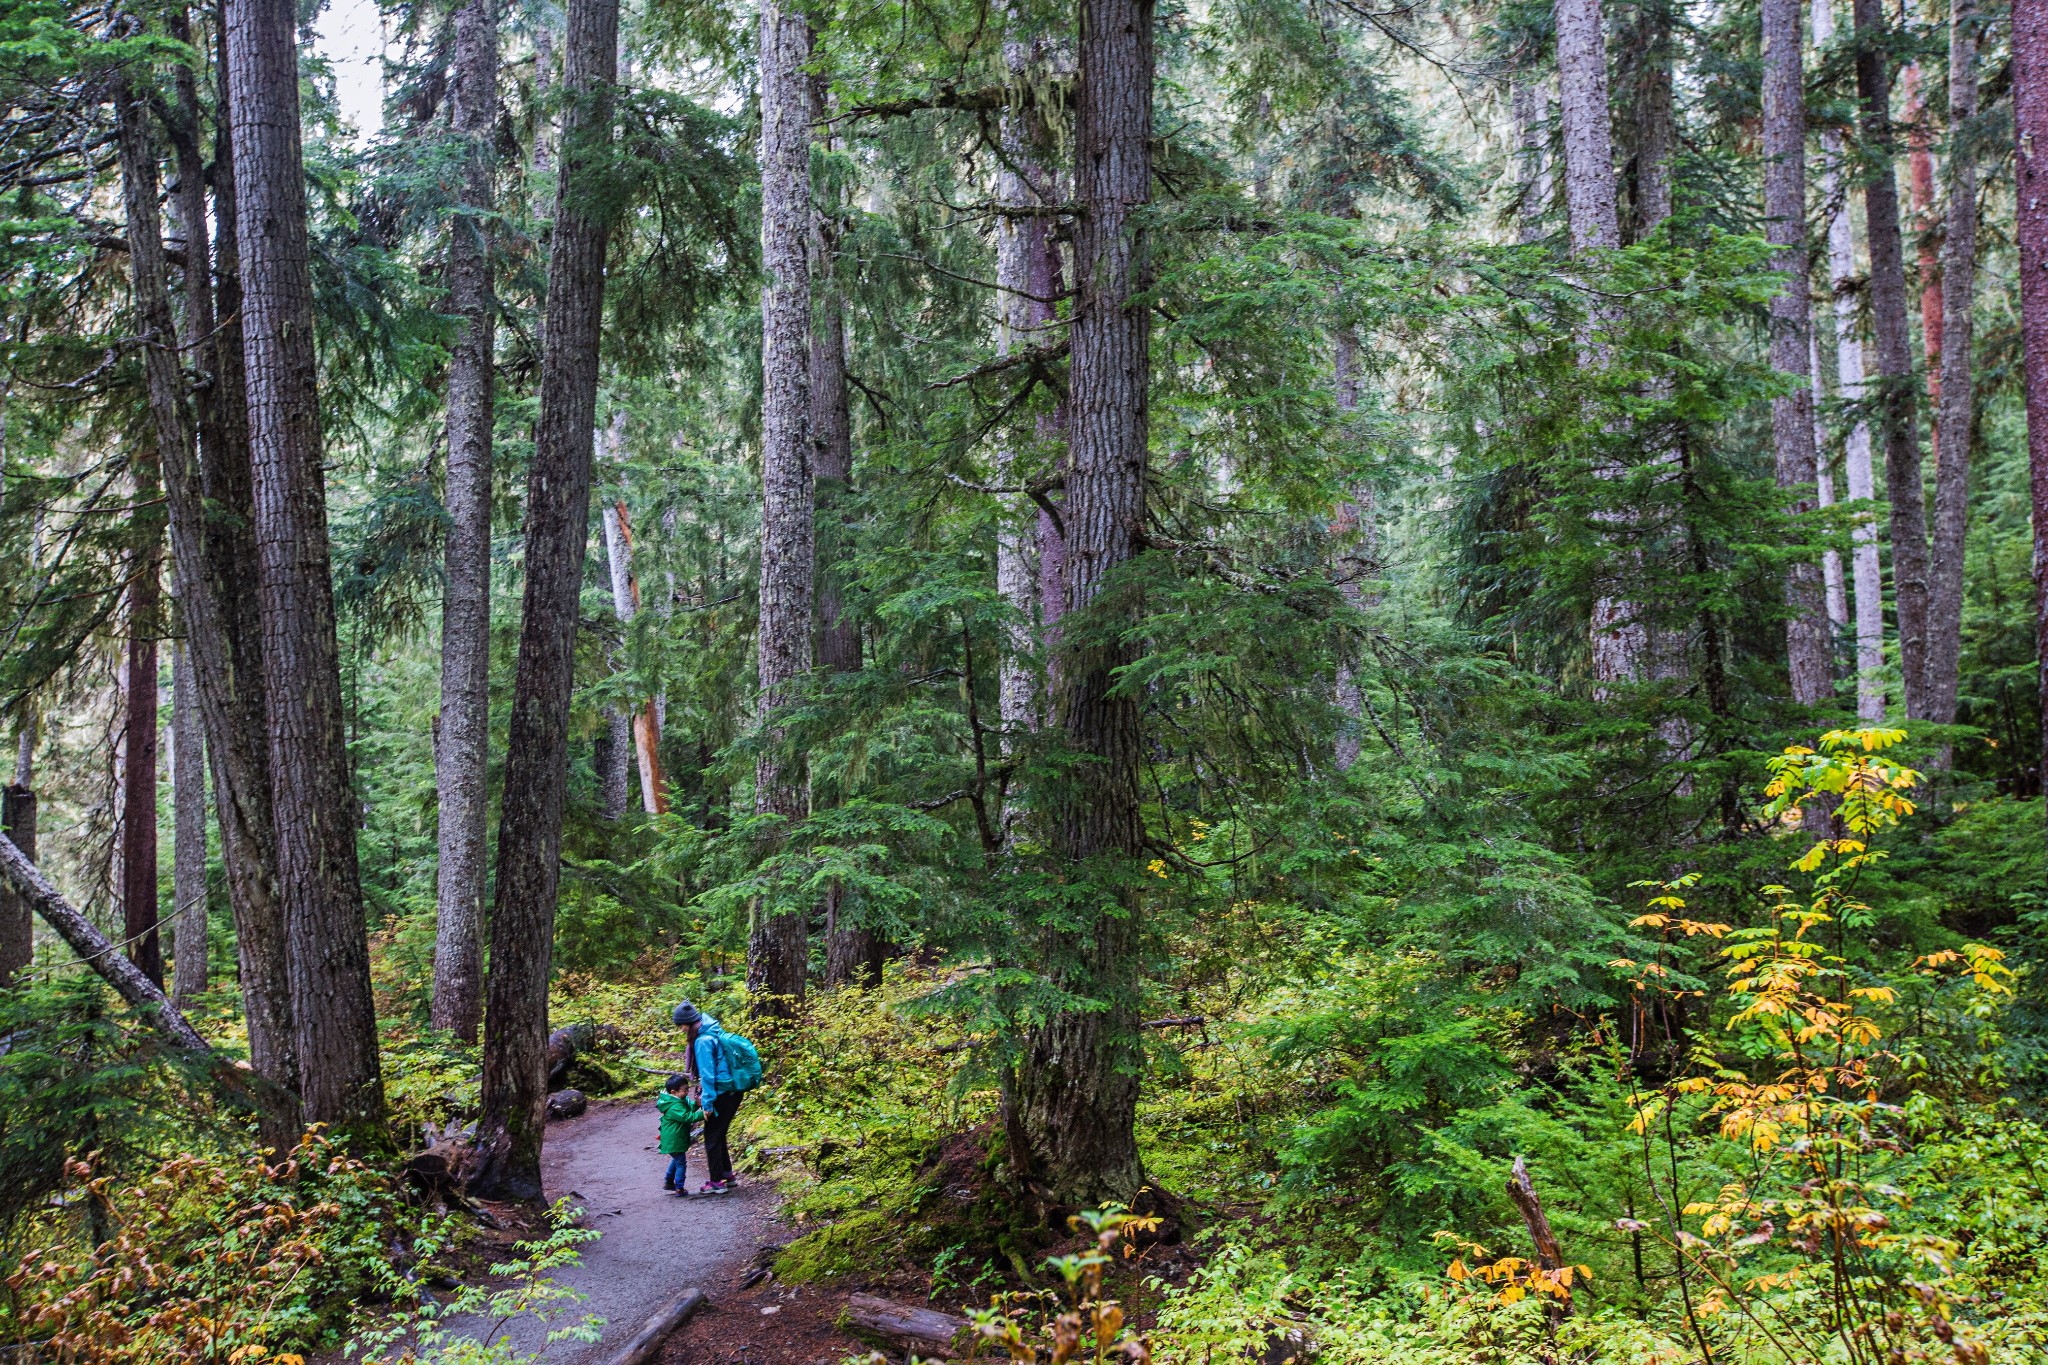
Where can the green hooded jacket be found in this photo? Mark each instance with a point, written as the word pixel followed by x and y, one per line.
pixel 677 1114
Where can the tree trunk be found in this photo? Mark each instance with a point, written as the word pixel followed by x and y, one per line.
pixel 831 435
pixel 1529 101
pixel 1356 535
pixel 1926 233
pixel 614 762
pixel 1824 492
pixel 1807 638
pixel 2030 129
pixel 139 913
pixel 1958 381
pixel 557 534
pixel 1072 1100
pixel 1620 638
pixel 543 91
pixel 1894 352
pixel 188 830
pixel 1024 284
pixel 1865 572
pixel 778 948
pixel 311 799
pixel 213 545
pixel 854 952
pixel 618 541
pixel 1592 218
pixel 462 755
pixel 18 822
pixel 1653 125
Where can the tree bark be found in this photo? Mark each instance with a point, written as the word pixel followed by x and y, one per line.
pixel 854 952
pixel 1894 352
pixel 778 948
pixel 2030 130
pixel 139 911
pixel 1593 220
pixel 1530 102
pixel 188 831
pixel 311 798
pixel 1832 577
pixel 557 533
pixel 1024 308
pixel 1865 572
pixel 1807 637
pixel 18 822
pixel 1958 380
pixel 1353 527
pixel 462 755
pixel 1653 125
pixel 1620 637
pixel 614 761
pixel 618 541
pixel 1926 234
pixel 1072 1099
pixel 213 545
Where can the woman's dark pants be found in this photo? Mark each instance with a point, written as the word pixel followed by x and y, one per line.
pixel 716 1157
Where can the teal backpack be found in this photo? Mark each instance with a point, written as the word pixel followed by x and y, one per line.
pixel 741 1059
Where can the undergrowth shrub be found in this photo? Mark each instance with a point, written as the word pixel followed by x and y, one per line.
pixel 205 1259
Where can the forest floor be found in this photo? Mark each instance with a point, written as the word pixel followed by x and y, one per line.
pixel 652 1246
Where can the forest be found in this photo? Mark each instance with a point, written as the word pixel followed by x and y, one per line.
pixel 1328 682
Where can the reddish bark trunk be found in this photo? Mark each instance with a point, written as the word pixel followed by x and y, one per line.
pixel 139 914
pixel 18 823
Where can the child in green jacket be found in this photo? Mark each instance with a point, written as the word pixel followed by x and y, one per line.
pixel 678 1112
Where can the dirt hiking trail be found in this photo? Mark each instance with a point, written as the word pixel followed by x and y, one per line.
pixel 654 1245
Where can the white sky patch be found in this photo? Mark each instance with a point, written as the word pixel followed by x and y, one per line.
pixel 350 34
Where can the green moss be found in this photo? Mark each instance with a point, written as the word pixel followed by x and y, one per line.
pixel 866 1239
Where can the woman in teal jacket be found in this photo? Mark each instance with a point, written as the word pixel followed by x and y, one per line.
pixel 715 1093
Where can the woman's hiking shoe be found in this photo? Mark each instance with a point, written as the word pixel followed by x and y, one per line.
pixel 713 1187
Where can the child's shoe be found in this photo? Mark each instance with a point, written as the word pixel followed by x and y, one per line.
pixel 679 1192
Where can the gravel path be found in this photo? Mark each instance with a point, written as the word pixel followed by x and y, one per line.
pixel 654 1245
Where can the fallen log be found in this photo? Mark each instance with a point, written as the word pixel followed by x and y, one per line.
pixel 278 1107
pixel 570 1041
pixel 933 1332
pixel 646 1344
pixel 97 952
